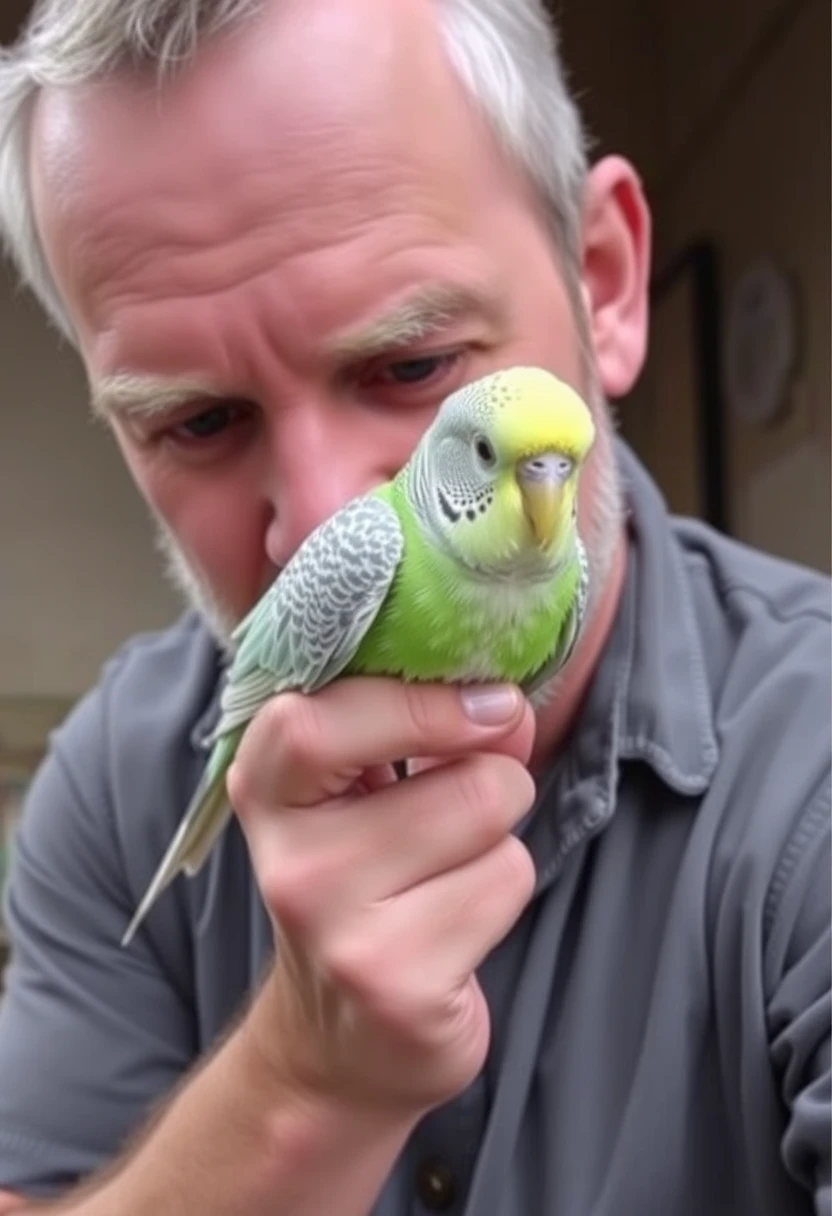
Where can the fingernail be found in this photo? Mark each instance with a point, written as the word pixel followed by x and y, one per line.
pixel 490 704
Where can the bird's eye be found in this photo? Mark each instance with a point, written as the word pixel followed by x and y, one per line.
pixel 485 451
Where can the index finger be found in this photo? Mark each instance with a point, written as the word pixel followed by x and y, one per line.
pixel 304 749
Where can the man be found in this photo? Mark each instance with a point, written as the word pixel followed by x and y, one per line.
pixel 279 235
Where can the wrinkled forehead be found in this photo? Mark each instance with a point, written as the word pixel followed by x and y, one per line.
pixel 307 90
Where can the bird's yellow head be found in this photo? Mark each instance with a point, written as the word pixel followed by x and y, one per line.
pixel 496 475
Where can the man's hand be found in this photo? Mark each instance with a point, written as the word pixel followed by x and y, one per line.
pixel 385 895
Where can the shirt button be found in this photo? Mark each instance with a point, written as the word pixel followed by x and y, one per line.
pixel 435 1185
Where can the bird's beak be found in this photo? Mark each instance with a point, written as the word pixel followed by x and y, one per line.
pixel 540 489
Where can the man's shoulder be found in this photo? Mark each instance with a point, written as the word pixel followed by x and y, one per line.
pixel 765 630
pixel 182 655
pixel 165 676
pixel 765 626
pixel 134 729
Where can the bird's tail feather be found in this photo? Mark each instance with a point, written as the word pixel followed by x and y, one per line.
pixel 204 819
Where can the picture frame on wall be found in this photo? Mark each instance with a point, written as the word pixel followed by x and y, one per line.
pixel 678 425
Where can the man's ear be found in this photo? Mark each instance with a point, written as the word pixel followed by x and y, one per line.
pixel 616 272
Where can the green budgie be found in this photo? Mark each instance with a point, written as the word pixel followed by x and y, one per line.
pixel 467 566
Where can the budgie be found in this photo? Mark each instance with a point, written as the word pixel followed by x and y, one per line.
pixel 466 566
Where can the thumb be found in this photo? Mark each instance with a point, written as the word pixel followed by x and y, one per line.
pixel 518 744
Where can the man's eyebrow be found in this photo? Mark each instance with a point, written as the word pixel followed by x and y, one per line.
pixel 424 313
pixel 128 395
pixel 421 315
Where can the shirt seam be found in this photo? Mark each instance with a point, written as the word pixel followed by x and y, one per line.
pixel 20 1140
pixel 694 778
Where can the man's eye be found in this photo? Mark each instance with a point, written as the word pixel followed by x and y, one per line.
pixel 416 371
pixel 207 424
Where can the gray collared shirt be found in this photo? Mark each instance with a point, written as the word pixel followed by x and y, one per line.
pixel 660 1013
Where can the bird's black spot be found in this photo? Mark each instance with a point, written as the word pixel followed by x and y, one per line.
pixel 447 510
pixel 471 514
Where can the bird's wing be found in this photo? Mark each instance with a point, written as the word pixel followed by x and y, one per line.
pixel 309 625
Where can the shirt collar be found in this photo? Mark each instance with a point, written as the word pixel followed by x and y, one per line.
pixel 667 718
pixel 648 700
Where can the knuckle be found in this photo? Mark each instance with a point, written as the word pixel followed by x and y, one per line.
pixel 270 719
pixel 518 873
pixel 481 788
pixel 295 730
pixel 290 892
pixel 239 784
pixel 420 703
pixel 351 960
pixel 526 790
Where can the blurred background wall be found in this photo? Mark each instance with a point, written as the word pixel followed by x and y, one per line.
pixel 724 106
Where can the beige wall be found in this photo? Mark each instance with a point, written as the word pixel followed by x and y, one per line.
pixel 78 568
pixel 78 571
pixel 745 162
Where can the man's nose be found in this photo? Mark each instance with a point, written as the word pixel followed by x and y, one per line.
pixel 315 464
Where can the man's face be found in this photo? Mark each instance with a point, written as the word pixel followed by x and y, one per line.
pixel 300 245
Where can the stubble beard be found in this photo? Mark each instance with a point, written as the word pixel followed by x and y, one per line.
pixel 191 584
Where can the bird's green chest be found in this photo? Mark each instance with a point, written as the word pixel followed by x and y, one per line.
pixel 437 624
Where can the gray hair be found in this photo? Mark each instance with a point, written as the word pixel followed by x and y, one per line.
pixel 504 51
